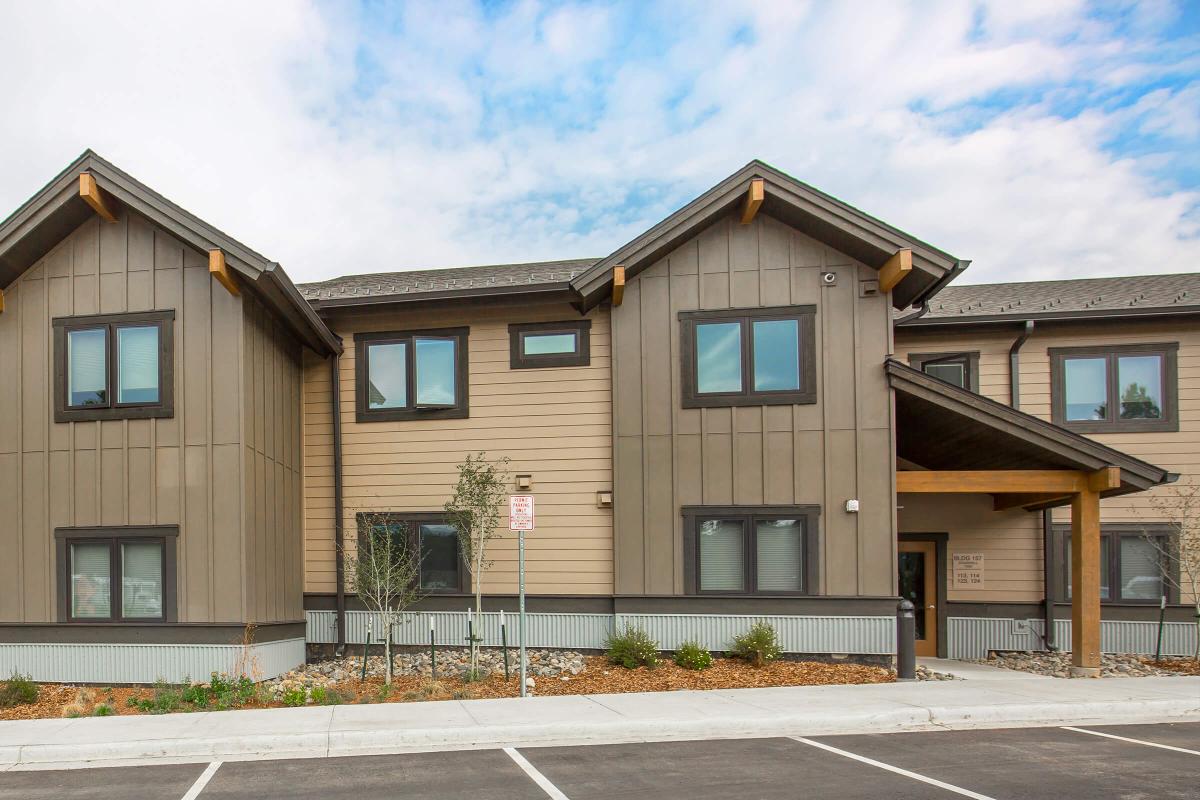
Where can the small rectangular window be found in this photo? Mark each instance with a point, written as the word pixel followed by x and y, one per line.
pixel 1133 561
pixel 1116 388
pixel 960 369
pixel 116 574
pixel 113 366
pixel 538 345
pixel 750 550
pixel 748 357
pixel 411 375
pixel 439 560
pixel 722 555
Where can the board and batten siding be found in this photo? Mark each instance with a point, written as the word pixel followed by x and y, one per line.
pixel 824 453
pixel 553 423
pixel 182 471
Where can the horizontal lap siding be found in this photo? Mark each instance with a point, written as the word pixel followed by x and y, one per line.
pixel 552 423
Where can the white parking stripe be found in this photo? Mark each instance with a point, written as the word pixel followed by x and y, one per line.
pixel 931 781
pixel 538 778
pixel 1133 741
pixel 202 781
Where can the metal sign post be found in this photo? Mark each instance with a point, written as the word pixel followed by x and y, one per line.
pixel 520 519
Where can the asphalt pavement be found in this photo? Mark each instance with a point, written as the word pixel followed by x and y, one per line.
pixel 1160 761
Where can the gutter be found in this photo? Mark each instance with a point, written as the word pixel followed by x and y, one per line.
pixel 335 402
pixel 959 268
pixel 1014 365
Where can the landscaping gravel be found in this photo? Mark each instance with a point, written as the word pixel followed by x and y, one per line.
pixel 1058 664
pixel 924 673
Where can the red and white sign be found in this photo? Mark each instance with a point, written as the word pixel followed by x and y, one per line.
pixel 520 512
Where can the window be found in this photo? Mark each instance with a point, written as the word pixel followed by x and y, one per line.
pixel 1115 389
pixel 549 344
pixel 960 369
pixel 753 357
pixel 761 550
pixel 122 574
pixel 113 366
pixel 1131 566
pixel 440 566
pixel 411 375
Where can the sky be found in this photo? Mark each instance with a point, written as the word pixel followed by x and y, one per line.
pixel 1040 140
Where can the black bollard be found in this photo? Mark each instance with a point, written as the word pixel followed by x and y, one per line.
pixel 906 642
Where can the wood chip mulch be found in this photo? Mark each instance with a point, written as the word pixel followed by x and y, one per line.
pixel 1185 666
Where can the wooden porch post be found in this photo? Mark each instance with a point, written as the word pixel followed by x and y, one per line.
pixel 1085 584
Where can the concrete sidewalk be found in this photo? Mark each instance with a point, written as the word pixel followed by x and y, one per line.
pixel 593 719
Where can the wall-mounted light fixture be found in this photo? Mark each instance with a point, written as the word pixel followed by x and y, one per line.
pixel 604 498
pixel 524 483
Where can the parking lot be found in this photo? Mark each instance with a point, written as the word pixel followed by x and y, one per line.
pixel 1131 761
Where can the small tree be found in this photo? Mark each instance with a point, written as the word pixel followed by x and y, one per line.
pixel 384 571
pixel 475 510
pixel 1179 552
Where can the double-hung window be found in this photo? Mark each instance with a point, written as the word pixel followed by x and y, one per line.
pixel 549 344
pixel 760 550
pixel 122 574
pixel 1133 562
pixel 113 366
pixel 959 369
pixel 439 564
pixel 411 375
pixel 748 357
pixel 1115 389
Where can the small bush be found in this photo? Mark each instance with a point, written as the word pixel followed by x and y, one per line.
pixel 294 698
pixel 632 648
pixel 758 645
pixel 326 696
pixel 18 690
pixel 166 699
pixel 103 710
pixel 691 655
pixel 473 675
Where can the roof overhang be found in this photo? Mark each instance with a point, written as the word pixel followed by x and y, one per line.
pixel 918 320
pixel 940 426
pixel 544 292
pixel 54 212
pixel 825 218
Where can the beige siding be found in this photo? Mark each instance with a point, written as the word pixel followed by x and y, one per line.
pixel 824 453
pixel 124 472
pixel 552 423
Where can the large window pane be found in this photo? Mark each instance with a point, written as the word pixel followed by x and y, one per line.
pixel 435 372
pixel 780 564
pixel 141 580
pixel 1105 590
pixel 719 357
pixel 1140 386
pixel 949 371
pixel 776 355
pixel 137 364
pixel 543 344
pixel 90 581
pixel 722 556
pixel 1141 576
pixel 439 557
pixel 388 375
pixel 1086 388
pixel 86 370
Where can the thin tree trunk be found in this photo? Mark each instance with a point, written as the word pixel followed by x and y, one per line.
pixel 387 653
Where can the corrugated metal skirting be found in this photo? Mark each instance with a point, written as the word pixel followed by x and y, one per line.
pixel 973 637
pixel 860 635
pixel 147 663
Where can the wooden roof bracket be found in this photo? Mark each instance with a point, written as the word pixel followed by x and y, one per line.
pixel 101 201
pixel 1 301
pixel 754 199
pixel 618 288
pixel 220 270
pixel 895 269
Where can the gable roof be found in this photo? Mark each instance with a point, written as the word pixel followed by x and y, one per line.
pixel 1129 296
pixel 820 215
pixel 51 214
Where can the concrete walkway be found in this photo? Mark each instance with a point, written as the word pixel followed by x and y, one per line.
pixel 984 672
pixel 593 719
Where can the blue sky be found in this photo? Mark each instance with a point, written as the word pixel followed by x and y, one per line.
pixel 1039 139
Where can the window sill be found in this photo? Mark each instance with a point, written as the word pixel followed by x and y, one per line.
pixel 742 401
pixel 93 414
pixel 405 414
pixel 1147 426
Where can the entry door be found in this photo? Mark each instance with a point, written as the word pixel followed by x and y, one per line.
pixel 918 585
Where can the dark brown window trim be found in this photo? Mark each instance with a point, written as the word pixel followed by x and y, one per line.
pixel 1110 536
pixel 414 519
pixel 1170 389
pixel 163 409
pixel 582 356
pixel 805 314
pixel 970 359
pixel 167 535
pixel 362 377
pixel 693 515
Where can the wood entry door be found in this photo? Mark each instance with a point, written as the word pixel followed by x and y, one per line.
pixel 918 584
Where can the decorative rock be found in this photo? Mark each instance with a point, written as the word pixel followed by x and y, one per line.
pixel 926 674
pixel 1057 664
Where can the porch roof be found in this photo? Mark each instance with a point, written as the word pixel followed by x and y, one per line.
pixel 940 426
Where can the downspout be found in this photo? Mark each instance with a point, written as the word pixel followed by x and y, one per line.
pixel 1014 365
pixel 1048 568
pixel 335 402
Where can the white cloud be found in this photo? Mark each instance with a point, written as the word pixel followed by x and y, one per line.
pixel 442 134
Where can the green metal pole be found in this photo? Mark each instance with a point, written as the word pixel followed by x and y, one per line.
pixel 366 651
pixel 432 652
pixel 504 643
pixel 1162 612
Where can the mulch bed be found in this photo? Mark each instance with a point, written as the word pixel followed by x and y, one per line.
pixel 1184 666
pixel 600 677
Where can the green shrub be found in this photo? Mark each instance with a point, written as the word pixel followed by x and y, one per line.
pixel 632 648
pixel 294 698
pixel 758 645
pixel 166 699
pixel 326 696
pixel 691 655
pixel 103 710
pixel 18 690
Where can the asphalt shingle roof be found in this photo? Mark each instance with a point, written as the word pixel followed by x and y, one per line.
pixel 1136 294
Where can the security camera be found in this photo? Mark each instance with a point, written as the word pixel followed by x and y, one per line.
pixel 829 278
